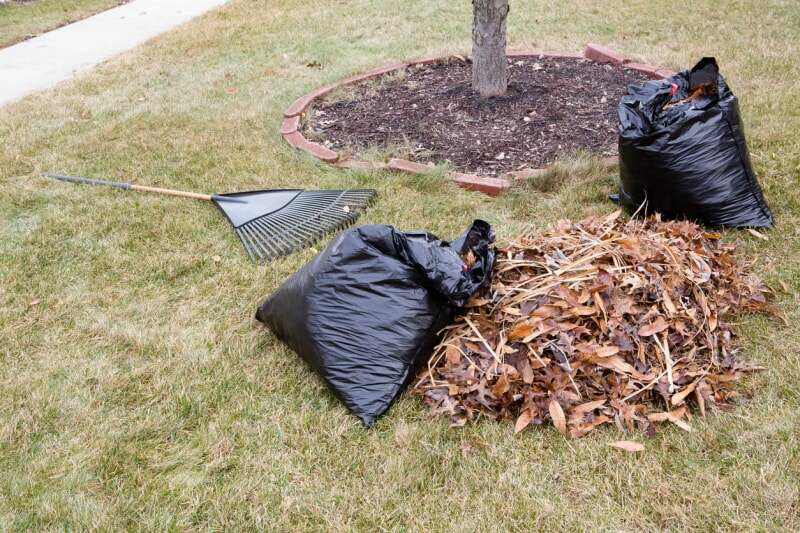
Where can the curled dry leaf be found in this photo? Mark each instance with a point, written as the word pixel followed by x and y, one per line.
pixel 620 321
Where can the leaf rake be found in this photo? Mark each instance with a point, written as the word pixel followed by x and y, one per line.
pixel 270 223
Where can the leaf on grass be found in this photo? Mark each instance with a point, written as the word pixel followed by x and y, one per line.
pixel 557 414
pixel 628 446
pixel 681 424
pixel 582 429
pixel 672 416
pixel 701 401
pixel 458 422
pixel 758 234
pixel 523 421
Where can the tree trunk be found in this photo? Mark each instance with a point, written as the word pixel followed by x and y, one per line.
pixel 489 77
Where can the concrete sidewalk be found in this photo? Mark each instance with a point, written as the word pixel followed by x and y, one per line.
pixel 44 61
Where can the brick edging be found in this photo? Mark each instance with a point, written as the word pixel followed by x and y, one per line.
pixel 290 127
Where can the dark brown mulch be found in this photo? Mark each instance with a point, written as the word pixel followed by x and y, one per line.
pixel 554 106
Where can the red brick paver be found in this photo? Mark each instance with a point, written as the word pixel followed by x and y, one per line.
pixel 603 54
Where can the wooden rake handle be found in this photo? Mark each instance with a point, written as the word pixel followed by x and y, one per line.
pixel 131 187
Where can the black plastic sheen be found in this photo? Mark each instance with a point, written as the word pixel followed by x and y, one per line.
pixel 691 159
pixel 243 207
pixel 366 311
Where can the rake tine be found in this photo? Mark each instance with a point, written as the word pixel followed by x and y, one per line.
pixel 297 227
pixel 275 241
pixel 246 244
pixel 298 221
pixel 307 218
pixel 264 242
pixel 313 215
pixel 328 215
pixel 260 252
pixel 272 227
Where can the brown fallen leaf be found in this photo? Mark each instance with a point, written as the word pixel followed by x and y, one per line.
pixel 582 429
pixel 501 386
pixel 520 331
pixel 619 365
pixel 598 301
pixel 758 234
pixel 582 409
pixel 668 303
pixel 452 354
pixel 527 372
pixel 607 351
pixel 681 424
pixel 584 310
pixel 680 396
pixel 671 416
pixel 701 299
pixel 523 421
pixel 609 318
pixel 628 446
pixel 657 326
pixel 557 414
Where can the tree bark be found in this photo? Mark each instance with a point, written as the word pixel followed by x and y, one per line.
pixel 489 65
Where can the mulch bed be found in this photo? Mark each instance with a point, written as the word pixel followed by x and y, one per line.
pixel 554 106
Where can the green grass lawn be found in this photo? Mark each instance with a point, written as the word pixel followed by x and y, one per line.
pixel 26 19
pixel 137 392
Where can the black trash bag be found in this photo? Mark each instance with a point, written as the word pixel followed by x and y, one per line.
pixel 689 160
pixel 367 311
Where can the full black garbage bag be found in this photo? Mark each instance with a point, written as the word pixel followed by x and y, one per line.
pixel 691 159
pixel 366 311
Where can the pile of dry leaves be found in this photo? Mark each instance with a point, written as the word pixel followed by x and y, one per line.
pixel 598 322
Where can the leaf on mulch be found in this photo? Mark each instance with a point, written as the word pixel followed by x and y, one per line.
pixel 599 322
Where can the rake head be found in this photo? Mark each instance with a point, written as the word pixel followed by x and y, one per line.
pixel 272 224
